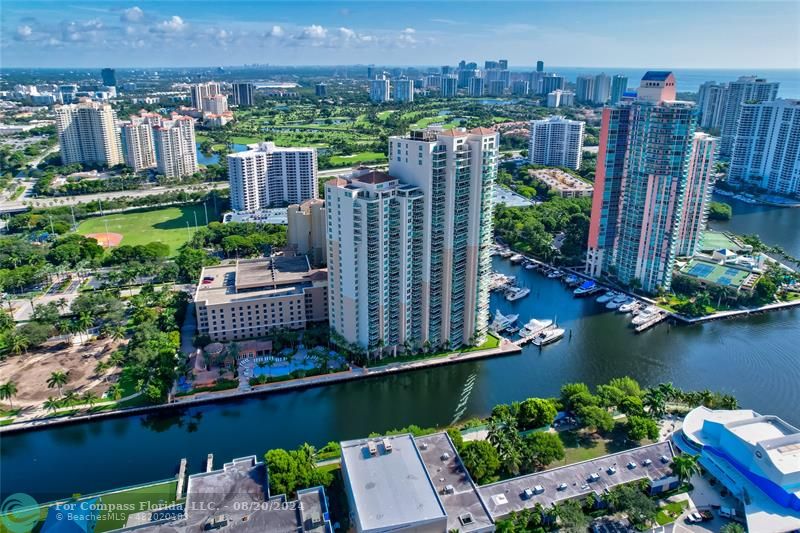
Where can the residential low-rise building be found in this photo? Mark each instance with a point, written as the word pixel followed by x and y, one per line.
pixel 565 184
pixel 252 297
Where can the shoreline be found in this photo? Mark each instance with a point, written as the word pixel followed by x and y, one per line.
pixel 506 347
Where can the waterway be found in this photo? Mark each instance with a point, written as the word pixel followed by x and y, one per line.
pixel 774 225
pixel 754 358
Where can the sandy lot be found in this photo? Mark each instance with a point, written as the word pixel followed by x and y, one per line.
pixel 31 371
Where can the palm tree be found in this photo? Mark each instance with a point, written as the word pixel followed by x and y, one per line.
pixel 70 397
pixel 115 391
pixel 684 467
pixel 57 380
pixel 90 398
pixel 17 342
pixel 117 358
pixel 85 322
pixel 7 392
pixel 655 402
pixel 117 332
pixel 51 404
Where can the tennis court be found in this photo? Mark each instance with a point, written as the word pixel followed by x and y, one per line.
pixel 711 272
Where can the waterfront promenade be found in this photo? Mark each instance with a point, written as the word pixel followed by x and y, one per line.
pixel 506 347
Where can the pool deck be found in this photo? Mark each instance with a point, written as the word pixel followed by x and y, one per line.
pixel 506 347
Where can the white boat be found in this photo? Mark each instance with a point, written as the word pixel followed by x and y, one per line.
pixel 530 266
pixel 501 321
pixel 644 315
pixel 506 253
pixel 585 288
pixel 534 327
pixel 548 336
pixel 515 293
pixel 517 258
pixel 628 306
pixel 606 297
pixel 616 302
pixel 555 274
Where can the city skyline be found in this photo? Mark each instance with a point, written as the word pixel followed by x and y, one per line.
pixel 43 34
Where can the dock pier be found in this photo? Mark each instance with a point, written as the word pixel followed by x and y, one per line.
pixel 181 479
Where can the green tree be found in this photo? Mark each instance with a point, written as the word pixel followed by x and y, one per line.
pixel 481 460
pixel 632 500
pixel 595 419
pixel 640 428
pixel 535 413
pixel 732 527
pixel 628 385
pixel 571 517
pixel 541 449
pixel 17 342
pixel 292 470
pixel 8 391
pixel 570 390
pixel 456 437
pixel 684 466
pixel 57 380
pixel 51 404
pixel 90 398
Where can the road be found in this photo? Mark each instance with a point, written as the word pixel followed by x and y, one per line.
pixel 21 203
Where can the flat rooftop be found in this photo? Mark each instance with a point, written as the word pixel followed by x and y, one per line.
pixel 250 279
pixel 236 494
pixel 464 508
pixel 728 275
pixel 506 496
pixel 717 240
pixel 390 489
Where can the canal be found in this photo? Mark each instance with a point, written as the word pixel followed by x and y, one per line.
pixel 755 358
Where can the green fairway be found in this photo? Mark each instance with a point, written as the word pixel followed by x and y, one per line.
pixel 361 157
pixel 166 225
pixel 149 497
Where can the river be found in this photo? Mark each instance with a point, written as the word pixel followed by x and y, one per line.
pixel 754 358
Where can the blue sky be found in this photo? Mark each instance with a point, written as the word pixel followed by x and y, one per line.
pixel 721 34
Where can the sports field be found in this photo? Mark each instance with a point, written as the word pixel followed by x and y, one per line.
pixel 167 225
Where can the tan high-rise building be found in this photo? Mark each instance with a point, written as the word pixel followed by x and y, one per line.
pixel 87 133
pixel 176 152
pixel 306 229
pixel 408 251
pixel 202 91
pixel 138 147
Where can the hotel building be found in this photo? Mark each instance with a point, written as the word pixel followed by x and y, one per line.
pixel 175 146
pixel 408 251
pixel 87 133
pixel 766 149
pixel 643 165
pixel 201 91
pixel 252 297
pixel 269 175
pixel 556 142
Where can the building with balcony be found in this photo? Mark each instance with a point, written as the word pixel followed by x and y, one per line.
pixel 306 230
pixel 252 297
pixel 270 175
pixel 556 142
pixel 645 159
pixel 408 251
pixel 87 133
pixel 176 147
pixel 563 183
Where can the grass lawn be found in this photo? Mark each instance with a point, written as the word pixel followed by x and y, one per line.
pixel 242 139
pixel 161 494
pixel 361 157
pixel 491 342
pixel 668 513
pixel 579 446
pixel 166 225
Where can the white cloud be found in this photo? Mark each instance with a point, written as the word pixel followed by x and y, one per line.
pixel 24 32
pixel 275 31
pixel 174 24
pixel 133 14
pixel 314 32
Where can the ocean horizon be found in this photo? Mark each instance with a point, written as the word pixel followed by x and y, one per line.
pixel 689 80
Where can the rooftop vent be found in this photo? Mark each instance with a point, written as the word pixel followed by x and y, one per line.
pixel 466 519
pixel 373 449
pixel 387 445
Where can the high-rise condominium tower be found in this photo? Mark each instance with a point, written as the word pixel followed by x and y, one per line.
pixel 201 91
pixel 556 142
pixel 272 176
pixel 404 90
pixel 87 133
pixel 176 152
pixel 109 76
pixel 408 251
pixel 747 89
pixel 584 89
pixel 138 146
pixel 711 104
pixel 619 84
pixel 644 163
pixel 697 194
pixel 243 94
pixel 766 149
pixel 602 88
pixel 379 90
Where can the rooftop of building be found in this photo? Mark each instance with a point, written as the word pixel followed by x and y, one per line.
pixel 650 462
pixel 373 177
pixel 391 487
pixel 463 505
pixel 559 179
pixel 269 147
pixel 656 75
pixel 257 278
pixel 725 274
pixel 232 496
